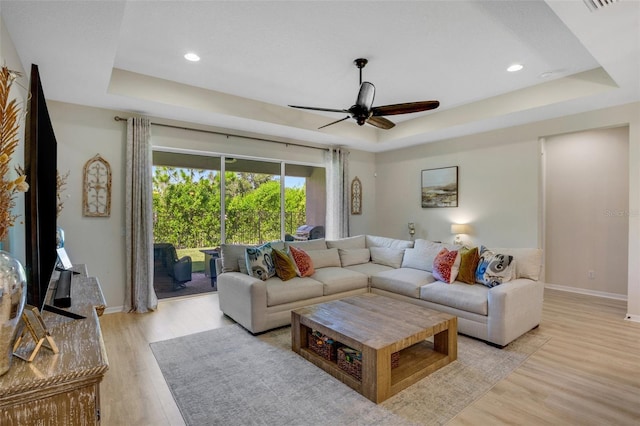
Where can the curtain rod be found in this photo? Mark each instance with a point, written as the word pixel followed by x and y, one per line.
pixel 116 118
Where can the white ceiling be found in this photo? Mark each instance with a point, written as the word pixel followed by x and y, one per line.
pixel 260 56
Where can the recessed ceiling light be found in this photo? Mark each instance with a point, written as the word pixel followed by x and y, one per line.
pixel 192 57
pixel 515 67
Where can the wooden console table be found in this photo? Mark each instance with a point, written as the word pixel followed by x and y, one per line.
pixel 63 388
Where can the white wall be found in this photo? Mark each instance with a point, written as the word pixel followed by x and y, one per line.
pixel 499 186
pixel 15 242
pixel 497 190
pixel 362 166
pixel 587 210
pixel 98 242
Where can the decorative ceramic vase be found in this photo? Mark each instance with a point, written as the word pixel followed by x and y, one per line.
pixel 13 293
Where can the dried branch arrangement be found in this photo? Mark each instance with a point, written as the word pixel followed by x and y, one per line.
pixel 9 127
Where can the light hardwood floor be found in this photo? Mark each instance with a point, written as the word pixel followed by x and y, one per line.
pixel 587 374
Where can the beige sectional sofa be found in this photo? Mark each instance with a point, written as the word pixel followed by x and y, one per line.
pixel 395 268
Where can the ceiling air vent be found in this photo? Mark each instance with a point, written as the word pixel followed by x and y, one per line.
pixel 594 5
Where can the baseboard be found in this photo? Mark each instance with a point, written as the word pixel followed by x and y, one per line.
pixel 114 309
pixel 634 318
pixel 596 293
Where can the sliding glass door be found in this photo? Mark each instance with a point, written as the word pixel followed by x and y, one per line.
pixel 257 201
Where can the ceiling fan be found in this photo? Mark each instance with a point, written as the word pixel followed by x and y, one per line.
pixel 364 112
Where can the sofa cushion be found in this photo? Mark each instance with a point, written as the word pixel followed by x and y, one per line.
pixel 423 254
pixel 231 254
pixel 387 256
pixel 294 290
pixel 528 261
pixel 469 258
pixel 374 241
pixel 260 261
pixel 338 280
pixel 350 257
pixel 319 244
pixel 446 266
pixel 494 268
pixel 324 258
pixel 470 298
pixel 405 281
pixel 369 269
pixel 357 242
pixel 303 262
pixel 285 268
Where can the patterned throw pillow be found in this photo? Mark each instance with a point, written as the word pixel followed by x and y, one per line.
pixel 494 268
pixel 446 265
pixel 260 262
pixel 303 261
pixel 285 268
pixel 469 259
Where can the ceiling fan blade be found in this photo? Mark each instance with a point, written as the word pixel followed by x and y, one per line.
pixel 365 95
pixel 334 122
pixel 380 122
pixel 319 109
pixel 405 108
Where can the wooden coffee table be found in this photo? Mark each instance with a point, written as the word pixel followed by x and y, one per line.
pixel 379 326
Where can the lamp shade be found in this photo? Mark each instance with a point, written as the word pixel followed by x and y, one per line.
pixel 459 228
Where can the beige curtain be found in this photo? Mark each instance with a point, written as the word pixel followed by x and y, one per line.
pixel 337 193
pixel 140 295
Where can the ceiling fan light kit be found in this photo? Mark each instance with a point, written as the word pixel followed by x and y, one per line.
pixel 363 110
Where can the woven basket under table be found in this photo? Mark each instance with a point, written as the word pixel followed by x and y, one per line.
pixel 353 365
pixel 326 349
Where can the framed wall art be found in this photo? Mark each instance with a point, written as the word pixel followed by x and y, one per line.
pixel 439 187
pixel 96 193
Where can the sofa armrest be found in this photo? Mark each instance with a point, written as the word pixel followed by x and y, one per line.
pixel 514 308
pixel 243 298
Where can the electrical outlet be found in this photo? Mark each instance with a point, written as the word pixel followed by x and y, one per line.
pixel 591 275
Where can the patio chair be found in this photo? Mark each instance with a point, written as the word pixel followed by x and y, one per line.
pixel 178 269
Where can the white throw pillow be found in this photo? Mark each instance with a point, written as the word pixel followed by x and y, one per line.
pixel 324 258
pixel 350 257
pixel 319 244
pixel 375 241
pixel 387 256
pixel 357 242
pixel 422 255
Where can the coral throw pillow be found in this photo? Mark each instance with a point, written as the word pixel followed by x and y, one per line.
pixel 285 268
pixel 445 266
pixel 303 261
pixel 469 259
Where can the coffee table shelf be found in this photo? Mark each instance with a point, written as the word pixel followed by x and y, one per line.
pixel 364 323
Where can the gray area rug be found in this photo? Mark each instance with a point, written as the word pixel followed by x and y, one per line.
pixel 227 376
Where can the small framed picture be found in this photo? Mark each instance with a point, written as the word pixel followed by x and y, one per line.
pixel 36 328
pixel 440 187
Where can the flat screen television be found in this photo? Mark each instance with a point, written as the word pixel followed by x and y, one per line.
pixel 40 164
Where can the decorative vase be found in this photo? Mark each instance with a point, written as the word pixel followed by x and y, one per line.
pixel 13 293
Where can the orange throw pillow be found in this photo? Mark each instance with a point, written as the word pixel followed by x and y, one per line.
pixel 302 261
